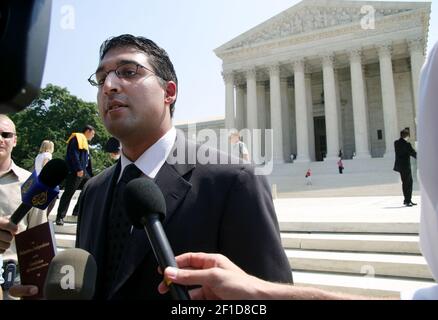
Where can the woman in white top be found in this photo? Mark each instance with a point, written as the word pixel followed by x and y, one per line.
pixel 46 149
pixel 45 155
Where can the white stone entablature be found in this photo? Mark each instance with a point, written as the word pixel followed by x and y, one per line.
pixel 404 20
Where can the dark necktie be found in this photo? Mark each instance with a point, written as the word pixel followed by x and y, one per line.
pixel 118 227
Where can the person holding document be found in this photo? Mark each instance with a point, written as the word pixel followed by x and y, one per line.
pixel 11 179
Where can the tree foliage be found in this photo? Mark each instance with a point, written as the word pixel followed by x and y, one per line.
pixel 54 115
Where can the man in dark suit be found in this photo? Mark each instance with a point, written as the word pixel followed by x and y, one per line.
pixel 79 166
pixel 210 207
pixel 403 154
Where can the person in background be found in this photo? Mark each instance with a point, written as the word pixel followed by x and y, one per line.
pixel 112 146
pixel 78 160
pixel 11 179
pixel 45 155
pixel 340 166
pixel 238 147
pixel 402 164
pixel 308 177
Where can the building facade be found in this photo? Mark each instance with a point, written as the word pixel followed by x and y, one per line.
pixel 329 76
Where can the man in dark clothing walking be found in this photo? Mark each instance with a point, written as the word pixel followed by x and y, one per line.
pixel 403 154
pixel 78 161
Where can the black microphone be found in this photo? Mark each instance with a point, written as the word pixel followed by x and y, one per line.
pixel 71 276
pixel 146 208
pixel 40 191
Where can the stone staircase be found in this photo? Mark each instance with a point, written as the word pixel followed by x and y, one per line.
pixel 65 235
pixel 372 258
pixel 289 179
pixel 368 259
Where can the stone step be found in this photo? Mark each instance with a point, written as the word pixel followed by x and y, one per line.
pixel 359 285
pixel 67 219
pixel 366 166
pixel 65 240
pixel 71 206
pixel 67 228
pixel 350 227
pixel 376 264
pixel 352 242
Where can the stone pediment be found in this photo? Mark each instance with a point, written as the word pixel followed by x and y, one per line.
pixel 312 15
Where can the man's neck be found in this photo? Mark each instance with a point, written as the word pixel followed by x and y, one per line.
pixel 136 146
pixel 5 164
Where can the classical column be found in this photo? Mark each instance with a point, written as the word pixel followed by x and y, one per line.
pixel 252 121
pixel 276 118
pixel 251 102
pixel 360 117
pixel 388 99
pixel 262 106
pixel 240 107
pixel 331 110
pixel 229 100
pixel 293 118
pixel 285 112
pixel 416 48
pixel 311 128
pixel 339 109
pixel 302 120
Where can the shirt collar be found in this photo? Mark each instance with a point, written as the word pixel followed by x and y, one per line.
pixel 12 168
pixel 151 161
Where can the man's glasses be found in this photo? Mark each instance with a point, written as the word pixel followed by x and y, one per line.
pixel 124 71
pixel 7 135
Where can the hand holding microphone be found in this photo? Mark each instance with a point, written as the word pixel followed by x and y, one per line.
pixel 39 191
pixel 146 208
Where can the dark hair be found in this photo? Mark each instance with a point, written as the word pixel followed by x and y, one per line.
pixel 88 128
pixel 158 57
pixel 112 145
pixel 404 133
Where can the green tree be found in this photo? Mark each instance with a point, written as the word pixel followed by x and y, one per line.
pixel 54 115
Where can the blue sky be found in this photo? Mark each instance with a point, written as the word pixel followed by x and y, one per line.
pixel 189 30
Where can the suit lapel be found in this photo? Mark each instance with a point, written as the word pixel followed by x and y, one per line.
pixel 95 230
pixel 98 224
pixel 174 188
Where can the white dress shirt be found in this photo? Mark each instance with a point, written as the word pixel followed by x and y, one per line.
pixel 151 161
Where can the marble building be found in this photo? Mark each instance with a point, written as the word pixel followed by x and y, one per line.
pixel 329 76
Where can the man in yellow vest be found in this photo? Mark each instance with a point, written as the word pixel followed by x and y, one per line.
pixel 77 159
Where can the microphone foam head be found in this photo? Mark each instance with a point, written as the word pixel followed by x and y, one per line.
pixel 71 276
pixel 53 173
pixel 143 197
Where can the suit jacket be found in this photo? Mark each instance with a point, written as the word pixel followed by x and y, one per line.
pixel 403 154
pixel 77 159
pixel 210 208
